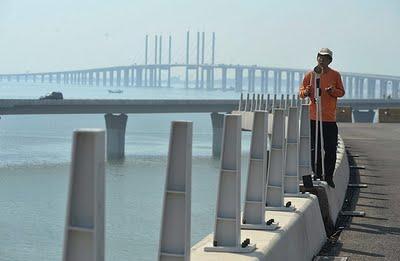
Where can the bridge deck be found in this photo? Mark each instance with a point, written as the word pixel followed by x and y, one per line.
pixel 376 236
pixel 82 106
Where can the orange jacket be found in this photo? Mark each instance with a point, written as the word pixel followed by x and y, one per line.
pixel 328 100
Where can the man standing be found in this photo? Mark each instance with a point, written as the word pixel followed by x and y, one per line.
pixel 331 88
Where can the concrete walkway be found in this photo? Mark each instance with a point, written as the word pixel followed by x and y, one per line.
pixel 377 235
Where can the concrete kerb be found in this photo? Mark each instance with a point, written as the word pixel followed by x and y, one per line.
pixel 300 236
pixel 331 199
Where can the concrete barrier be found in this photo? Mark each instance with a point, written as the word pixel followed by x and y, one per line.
pixel 344 114
pixel 389 115
pixel 302 233
pixel 331 199
pixel 300 236
pixel 364 115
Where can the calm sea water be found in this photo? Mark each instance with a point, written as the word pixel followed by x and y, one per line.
pixel 34 168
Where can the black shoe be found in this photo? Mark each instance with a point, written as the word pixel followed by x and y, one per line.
pixel 331 183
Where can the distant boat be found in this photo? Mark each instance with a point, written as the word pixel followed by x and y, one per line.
pixel 115 91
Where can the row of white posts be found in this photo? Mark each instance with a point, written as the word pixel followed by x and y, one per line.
pixel 253 102
pixel 271 175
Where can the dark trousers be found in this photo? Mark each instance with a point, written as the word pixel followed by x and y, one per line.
pixel 330 131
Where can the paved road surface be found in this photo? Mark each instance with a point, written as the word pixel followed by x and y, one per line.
pixel 376 236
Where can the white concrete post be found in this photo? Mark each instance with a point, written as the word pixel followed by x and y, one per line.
pixel 274 103
pixel 275 173
pixel 175 225
pixel 304 143
pixel 253 103
pixel 287 104
pixel 227 217
pixel 291 180
pixel 254 205
pixel 294 102
pixel 84 226
pixel 247 103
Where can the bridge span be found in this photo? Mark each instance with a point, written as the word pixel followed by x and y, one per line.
pixel 251 78
pixel 116 111
pixel 103 106
pixel 202 73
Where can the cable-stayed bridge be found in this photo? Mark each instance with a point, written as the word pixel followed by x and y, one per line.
pixel 202 74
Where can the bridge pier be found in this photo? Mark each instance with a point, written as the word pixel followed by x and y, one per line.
pixel 382 89
pixel 151 77
pixel 287 82
pixel 275 81
pixel 262 81
pixel 97 75
pixel 239 79
pixel 155 76
pixel 146 73
pixel 292 83
pixel 91 77
pixel 202 77
pixel 139 77
pixel 217 121
pixel 371 88
pixel 104 76
pixel 363 115
pixel 250 80
pixel 209 79
pixel 169 77
pixel 118 77
pixel 112 78
pixel 159 77
pixel 116 126
pixel 126 77
pixel 280 82
pixel 395 89
pixel 357 87
pixel 224 78
pixel 132 72
pixel 349 87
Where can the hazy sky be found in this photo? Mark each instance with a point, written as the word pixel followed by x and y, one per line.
pixel 51 35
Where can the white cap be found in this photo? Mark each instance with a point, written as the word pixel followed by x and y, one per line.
pixel 326 51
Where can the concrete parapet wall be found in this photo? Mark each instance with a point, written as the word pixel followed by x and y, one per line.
pixel 302 233
pixel 344 114
pixel 300 236
pixel 389 115
pixel 331 199
pixel 341 178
